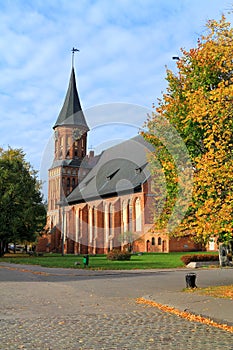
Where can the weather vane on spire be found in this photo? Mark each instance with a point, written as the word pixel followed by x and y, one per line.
pixel 73 51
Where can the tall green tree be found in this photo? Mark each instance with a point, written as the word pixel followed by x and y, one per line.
pixel 199 104
pixel 22 211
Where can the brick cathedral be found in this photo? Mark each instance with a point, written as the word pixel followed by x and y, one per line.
pixel 99 202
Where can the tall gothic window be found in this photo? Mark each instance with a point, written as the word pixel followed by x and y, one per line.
pixel 90 224
pixel 95 213
pixel 68 144
pixel 61 147
pixel 76 149
pixel 138 215
pixel 77 225
pixel 125 215
pixel 110 219
pixel 56 148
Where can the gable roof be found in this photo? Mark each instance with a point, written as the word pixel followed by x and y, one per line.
pixel 71 112
pixel 121 169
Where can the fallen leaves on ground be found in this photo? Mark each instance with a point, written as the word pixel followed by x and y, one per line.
pixel 26 270
pixel 188 316
pixel 225 292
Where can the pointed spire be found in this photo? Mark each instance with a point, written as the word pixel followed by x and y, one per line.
pixel 71 113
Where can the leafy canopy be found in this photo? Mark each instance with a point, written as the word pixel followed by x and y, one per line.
pixel 199 104
pixel 22 212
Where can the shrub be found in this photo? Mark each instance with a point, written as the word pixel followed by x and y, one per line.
pixel 199 257
pixel 116 254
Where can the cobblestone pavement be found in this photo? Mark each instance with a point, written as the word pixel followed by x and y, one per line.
pixel 46 312
pixel 142 329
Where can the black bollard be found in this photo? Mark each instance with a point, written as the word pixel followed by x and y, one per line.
pixel 190 279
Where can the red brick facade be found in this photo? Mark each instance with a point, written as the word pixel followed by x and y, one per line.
pixel 97 225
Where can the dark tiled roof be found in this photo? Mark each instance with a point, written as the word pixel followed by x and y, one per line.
pixel 120 169
pixel 71 112
pixel 86 162
pixel 66 162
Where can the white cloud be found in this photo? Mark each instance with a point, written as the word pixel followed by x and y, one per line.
pixel 124 47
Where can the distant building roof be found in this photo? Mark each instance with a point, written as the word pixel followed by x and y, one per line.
pixel 121 169
pixel 71 112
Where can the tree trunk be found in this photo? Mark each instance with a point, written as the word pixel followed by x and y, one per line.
pixel 223 254
pixel 2 247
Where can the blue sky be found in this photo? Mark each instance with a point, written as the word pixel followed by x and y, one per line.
pixel 124 48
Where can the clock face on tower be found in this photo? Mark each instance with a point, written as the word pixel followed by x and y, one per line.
pixel 77 134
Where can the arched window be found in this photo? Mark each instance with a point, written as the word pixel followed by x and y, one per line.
pixel 125 215
pixel 148 245
pixel 106 221
pixel 73 183
pixel 159 241
pixel 77 225
pixel 61 147
pixel 68 146
pixel 153 241
pixel 94 221
pixel 68 182
pixel 138 215
pixel 76 149
pixel 90 224
pixel 110 219
pixel 56 147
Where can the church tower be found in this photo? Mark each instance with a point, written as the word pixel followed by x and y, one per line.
pixel 70 149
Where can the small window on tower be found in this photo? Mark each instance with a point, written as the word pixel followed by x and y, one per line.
pixel 76 149
pixel 56 146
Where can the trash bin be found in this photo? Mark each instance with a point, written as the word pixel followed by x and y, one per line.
pixel 190 279
pixel 86 260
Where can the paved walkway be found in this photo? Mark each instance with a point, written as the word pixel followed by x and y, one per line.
pixel 76 309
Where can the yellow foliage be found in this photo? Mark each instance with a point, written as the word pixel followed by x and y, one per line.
pixel 199 103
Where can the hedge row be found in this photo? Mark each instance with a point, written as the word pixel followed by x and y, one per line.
pixel 199 257
pixel 118 255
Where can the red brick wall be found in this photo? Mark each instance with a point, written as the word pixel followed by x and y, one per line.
pixel 42 244
pixel 183 244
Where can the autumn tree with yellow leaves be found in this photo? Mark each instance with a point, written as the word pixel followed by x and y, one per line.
pixel 198 103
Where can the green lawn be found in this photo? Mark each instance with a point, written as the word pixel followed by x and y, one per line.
pixel 99 262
